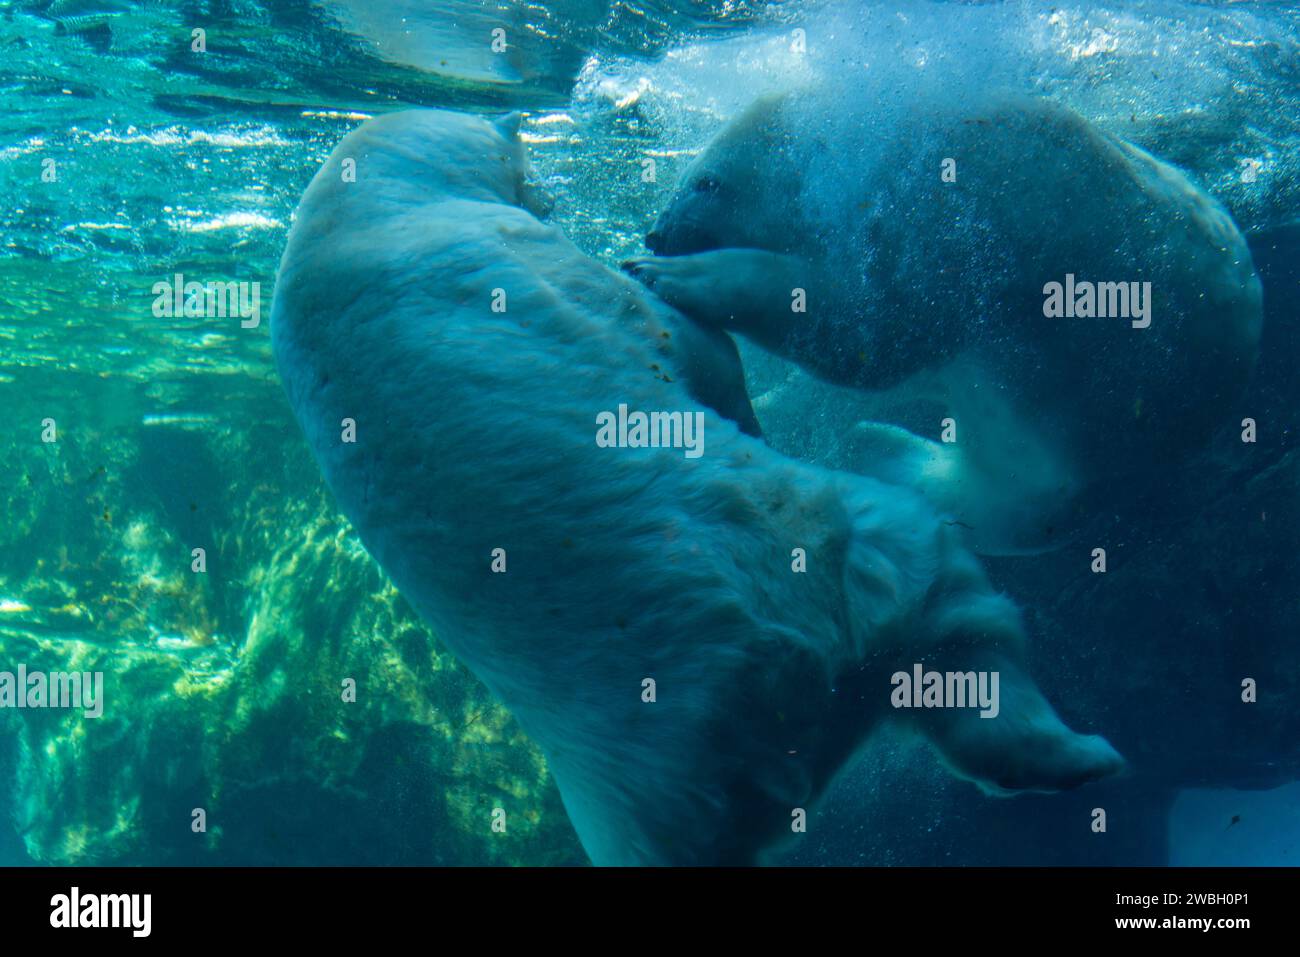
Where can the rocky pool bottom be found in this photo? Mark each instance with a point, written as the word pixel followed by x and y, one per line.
pixel 225 690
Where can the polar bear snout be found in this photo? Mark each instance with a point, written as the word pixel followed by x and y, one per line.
pixel 692 223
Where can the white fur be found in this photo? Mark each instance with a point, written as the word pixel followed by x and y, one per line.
pixel 914 281
pixel 476 431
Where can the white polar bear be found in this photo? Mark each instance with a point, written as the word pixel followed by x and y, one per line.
pixel 932 256
pixel 475 430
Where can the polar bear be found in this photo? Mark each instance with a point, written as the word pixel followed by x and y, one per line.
pixel 697 643
pixel 1078 308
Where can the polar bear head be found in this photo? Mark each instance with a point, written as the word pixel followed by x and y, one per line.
pixel 428 155
pixel 743 190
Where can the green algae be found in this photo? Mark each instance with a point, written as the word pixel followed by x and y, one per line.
pixel 224 690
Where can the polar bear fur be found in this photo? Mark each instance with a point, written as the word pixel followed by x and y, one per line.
pixel 475 431
pixel 917 282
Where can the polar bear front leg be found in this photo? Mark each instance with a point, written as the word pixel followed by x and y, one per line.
pixel 955 661
pixel 1024 746
pixel 750 291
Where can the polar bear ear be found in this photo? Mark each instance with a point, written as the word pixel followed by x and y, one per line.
pixel 508 125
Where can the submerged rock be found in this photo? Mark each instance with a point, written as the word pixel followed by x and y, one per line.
pixel 225 691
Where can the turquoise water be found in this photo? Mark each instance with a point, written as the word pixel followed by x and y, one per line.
pixel 127 156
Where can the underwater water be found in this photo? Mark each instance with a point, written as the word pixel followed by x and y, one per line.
pixel 133 151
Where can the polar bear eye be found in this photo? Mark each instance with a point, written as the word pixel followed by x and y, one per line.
pixel 707 184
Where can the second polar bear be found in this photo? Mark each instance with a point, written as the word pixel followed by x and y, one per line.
pixel 1078 308
pixel 697 644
